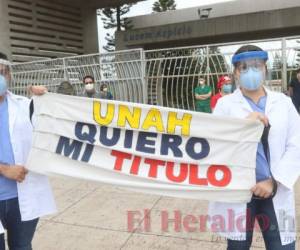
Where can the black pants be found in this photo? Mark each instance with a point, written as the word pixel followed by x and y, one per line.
pixel 263 211
pixel 296 103
pixel 19 233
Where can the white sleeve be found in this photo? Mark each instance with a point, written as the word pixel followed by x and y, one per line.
pixel 220 109
pixel 1 229
pixel 288 169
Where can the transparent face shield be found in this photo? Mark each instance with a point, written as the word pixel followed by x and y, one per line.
pixel 250 69
pixel 250 59
pixel 256 64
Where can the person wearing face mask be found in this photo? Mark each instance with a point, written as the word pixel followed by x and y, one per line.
pixel 294 90
pixel 225 88
pixel 277 157
pixel 104 93
pixel 24 195
pixel 202 95
pixel 90 87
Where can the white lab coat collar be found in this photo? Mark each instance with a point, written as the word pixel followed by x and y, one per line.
pixel 272 98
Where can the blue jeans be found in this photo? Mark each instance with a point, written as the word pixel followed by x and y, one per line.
pixel 264 212
pixel 19 233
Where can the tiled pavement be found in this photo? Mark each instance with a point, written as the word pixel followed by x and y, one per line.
pixel 94 217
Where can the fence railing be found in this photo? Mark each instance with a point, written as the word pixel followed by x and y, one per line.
pixel 165 77
pixel 121 71
pixel 172 74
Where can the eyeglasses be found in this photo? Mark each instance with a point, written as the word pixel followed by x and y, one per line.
pixel 255 64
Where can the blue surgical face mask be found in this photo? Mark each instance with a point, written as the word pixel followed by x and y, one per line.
pixel 252 79
pixel 227 88
pixel 3 85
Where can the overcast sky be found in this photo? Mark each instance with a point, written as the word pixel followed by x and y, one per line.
pixel 145 7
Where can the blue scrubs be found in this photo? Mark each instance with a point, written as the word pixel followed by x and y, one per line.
pixel 262 165
pixel 8 188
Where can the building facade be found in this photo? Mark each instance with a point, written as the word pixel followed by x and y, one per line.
pixel 232 21
pixel 39 29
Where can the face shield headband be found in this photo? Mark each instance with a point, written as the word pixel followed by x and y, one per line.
pixel 263 55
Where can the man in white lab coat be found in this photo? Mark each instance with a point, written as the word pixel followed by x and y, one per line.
pixel 277 161
pixel 24 196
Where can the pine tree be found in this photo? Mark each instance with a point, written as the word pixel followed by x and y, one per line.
pixel 113 18
pixel 164 5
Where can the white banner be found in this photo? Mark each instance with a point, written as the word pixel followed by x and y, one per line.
pixel 145 148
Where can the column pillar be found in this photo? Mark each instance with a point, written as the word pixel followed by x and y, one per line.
pixel 4 29
pixel 90 31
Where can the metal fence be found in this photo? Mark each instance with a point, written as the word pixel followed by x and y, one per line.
pixel 165 77
pixel 123 72
pixel 172 74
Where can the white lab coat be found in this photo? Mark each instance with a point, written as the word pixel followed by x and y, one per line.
pixel 284 143
pixel 34 193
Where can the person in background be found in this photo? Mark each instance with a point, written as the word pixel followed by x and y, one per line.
pixel 24 195
pixel 90 87
pixel 202 95
pixel 294 90
pixel 104 93
pixel 277 157
pixel 224 87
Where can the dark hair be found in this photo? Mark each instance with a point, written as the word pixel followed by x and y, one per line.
pixel 3 56
pixel 88 76
pixel 247 48
pixel 298 71
pixel 103 86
